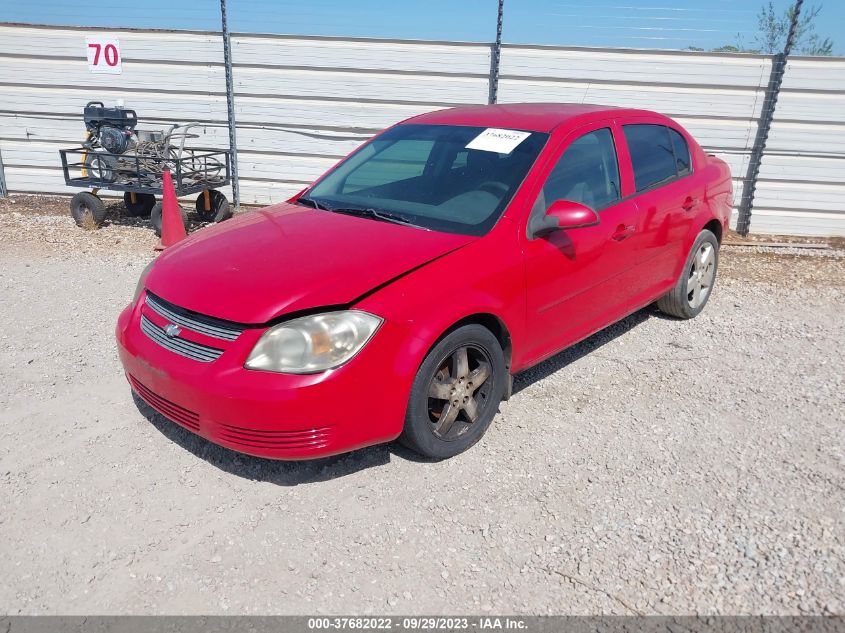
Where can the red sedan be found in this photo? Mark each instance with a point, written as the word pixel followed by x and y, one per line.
pixel 398 295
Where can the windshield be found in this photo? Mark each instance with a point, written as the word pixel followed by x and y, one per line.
pixel 450 178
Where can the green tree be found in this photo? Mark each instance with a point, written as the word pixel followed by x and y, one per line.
pixel 773 27
pixel 731 48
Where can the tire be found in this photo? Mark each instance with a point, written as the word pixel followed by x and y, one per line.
pixel 102 168
pixel 219 211
pixel 442 374
pixel 86 208
pixel 144 203
pixel 695 285
pixel 155 217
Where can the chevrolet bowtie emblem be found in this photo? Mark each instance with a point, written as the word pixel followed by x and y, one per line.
pixel 172 331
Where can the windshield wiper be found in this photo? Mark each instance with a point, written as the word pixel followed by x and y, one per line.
pixel 377 214
pixel 369 212
pixel 310 202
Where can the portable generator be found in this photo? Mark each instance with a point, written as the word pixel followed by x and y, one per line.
pixel 116 155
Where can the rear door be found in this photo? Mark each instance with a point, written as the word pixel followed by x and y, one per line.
pixel 667 193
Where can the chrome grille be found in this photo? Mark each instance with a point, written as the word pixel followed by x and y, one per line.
pixel 177 345
pixel 209 326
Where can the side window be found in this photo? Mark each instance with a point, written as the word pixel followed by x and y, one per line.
pixel 402 160
pixel 588 172
pixel 652 155
pixel 679 145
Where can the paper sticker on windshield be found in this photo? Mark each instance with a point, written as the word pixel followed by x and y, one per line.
pixel 497 140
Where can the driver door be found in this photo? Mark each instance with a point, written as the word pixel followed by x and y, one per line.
pixel 580 280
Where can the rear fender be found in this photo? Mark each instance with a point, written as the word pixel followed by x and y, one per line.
pixel 716 203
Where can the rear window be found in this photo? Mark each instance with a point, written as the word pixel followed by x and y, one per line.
pixel 658 154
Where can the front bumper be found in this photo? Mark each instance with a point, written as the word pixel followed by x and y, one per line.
pixel 279 416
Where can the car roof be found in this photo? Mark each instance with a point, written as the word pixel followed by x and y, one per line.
pixel 534 117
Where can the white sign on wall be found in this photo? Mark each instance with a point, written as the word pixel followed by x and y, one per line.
pixel 104 54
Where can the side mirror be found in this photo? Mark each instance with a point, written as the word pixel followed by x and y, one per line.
pixel 563 214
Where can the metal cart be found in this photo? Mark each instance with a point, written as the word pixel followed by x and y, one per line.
pixel 117 157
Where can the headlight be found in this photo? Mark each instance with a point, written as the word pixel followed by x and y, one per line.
pixel 313 343
pixel 141 281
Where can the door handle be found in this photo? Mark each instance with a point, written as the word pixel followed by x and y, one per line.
pixel 623 231
pixel 689 203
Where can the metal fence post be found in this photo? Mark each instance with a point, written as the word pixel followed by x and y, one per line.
pixel 3 190
pixel 496 56
pixel 743 223
pixel 230 106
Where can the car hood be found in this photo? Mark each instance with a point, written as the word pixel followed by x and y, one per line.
pixel 287 258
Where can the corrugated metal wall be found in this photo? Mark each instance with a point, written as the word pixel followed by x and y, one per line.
pixel 302 103
pixel 167 77
pixel 718 98
pixel 801 189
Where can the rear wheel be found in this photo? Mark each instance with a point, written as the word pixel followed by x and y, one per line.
pixel 693 289
pixel 138 204
pixel 155 217
pixel 212 206
pixel 456 393
pixel 87 210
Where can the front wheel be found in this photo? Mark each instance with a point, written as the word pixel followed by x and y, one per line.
pixel 455 394
pixel 693 289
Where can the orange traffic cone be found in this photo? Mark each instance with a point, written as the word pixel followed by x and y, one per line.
pixel 172 229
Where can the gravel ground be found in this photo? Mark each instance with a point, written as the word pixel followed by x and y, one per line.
pixel 659 467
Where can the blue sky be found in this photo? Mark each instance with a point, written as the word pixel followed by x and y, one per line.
pixel 630 23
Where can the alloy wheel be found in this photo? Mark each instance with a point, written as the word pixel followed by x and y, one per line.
pixel 459 392
pixel 702 274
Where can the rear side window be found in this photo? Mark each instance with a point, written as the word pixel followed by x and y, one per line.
pixel 656 155
pixel 679 145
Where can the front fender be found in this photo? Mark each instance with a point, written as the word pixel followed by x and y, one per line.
pixel 485 277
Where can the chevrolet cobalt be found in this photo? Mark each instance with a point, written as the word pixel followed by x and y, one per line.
pixel 398 295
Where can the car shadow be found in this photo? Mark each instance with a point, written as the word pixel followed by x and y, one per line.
pixel 561 360
pixel 280 473
pixel 294 473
